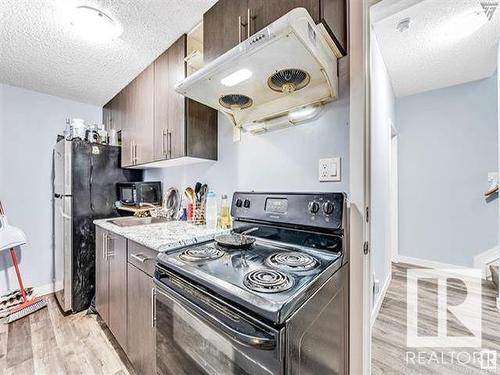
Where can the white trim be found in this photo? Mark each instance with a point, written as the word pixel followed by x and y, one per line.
pixel 43 290
pixel 381 296
pixel 498 303
pixel 394 194
pixel 427 263
pixel 484 259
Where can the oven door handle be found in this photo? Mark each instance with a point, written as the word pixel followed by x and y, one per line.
pixel 265 343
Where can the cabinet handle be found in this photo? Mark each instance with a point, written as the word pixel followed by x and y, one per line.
pixel 140 257
pixel 104 250
pixel 132 151
pixel 109 254
pixel 135 153
pixel 239 29
pixel 170 144
pixel 249 16
pixel 153 307
pixel 163 152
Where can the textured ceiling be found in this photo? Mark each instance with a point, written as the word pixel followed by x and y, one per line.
pixel 420 58
pixel 40 51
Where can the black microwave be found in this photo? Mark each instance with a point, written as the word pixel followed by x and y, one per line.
pixel 139 193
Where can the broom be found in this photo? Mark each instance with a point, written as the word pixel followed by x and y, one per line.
pixel 9 238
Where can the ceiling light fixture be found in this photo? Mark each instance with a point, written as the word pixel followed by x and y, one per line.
pixel 236 77
pixel 464 24
pixel 94 24
pixel 403 25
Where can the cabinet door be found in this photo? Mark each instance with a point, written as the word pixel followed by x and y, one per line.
pixel 161 109
pixel 106 115
pixel 140 331
pixel 142 115
pixel 264 12
pixel 222 27
pixel 117 258
pixel 123 117
pixel 101 275
pixel 176 133
pixel 334 18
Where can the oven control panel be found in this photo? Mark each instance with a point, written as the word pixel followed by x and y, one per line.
pixel 323 210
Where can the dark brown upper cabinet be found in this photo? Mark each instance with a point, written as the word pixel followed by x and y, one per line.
pixel 183 127
pixel 229 22
pixel 157 124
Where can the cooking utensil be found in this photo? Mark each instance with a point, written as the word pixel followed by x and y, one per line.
pixel 189 193
pixel 236 240
pixel 203 192
pixel 197 189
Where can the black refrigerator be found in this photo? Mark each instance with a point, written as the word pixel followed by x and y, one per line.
pixel 85 177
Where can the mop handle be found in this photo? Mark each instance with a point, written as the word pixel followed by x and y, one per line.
pixel 19 279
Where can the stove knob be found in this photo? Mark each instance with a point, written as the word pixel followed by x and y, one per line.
pixel 238 202
pixel 246 203
pixel 313 207
pixel 328 208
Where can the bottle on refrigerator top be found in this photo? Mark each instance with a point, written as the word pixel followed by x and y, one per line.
pixel 225 216
pixel 211 210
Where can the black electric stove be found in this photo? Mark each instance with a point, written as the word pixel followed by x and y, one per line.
pixel 299 243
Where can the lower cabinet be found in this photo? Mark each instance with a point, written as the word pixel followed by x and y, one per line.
pixel 141 332
pixel 111 283
pixel 124 296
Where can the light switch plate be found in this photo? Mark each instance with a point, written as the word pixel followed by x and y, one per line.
pixel 329 169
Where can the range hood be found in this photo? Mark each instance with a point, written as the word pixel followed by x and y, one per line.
pixel 289 65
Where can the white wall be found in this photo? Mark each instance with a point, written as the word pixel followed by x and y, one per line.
pixel 282 160
pixel 448 142
pixel 382 116
pixel 29 123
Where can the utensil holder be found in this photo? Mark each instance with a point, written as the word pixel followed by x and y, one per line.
pixel 198 213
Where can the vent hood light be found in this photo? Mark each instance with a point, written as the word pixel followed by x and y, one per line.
pixel 304 114
pixel 236 77
pixel 464 24
pixel 94 24
pixel 292 118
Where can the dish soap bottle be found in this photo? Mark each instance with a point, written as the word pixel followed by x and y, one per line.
pixel 211 210
pixel 225 217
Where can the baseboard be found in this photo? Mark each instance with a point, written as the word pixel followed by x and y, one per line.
pixel 427 263
pixel 483 260
pixel 381 296
pixel 43 290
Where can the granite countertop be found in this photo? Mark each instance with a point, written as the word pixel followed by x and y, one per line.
pixel 163 236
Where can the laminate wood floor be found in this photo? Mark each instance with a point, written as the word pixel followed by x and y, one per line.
pixel 389 338
pixel 48 342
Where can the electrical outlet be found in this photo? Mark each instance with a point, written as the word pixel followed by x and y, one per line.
pixel 329 169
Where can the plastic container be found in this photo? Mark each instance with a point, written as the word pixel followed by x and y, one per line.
pixel 225 215
pixel 211 210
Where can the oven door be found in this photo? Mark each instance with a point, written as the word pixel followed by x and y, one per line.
pixel 192 340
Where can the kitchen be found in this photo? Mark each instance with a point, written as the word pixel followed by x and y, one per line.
pixel 248 186
pixel 265 159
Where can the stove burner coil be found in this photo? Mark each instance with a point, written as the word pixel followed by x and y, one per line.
pixel 293 261
pixel 267 281
pixel 235 101
pixel 288 80
pixel 201 253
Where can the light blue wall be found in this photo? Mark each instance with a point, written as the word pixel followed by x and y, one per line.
pixel 29 123
pixel 382 115
pixel 281 160
pixel 448 143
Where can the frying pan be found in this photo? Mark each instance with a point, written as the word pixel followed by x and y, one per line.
pixel 236 240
